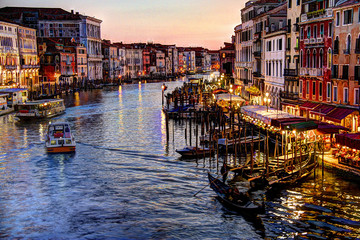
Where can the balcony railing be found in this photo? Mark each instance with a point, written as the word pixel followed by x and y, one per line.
pixel 291 72
pixel 289 95
pixel 30 66
pixel 316 72
pixel 322 13
pixel 10 67
pixel 319 40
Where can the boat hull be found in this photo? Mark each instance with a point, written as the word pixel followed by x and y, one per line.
pixel 62 149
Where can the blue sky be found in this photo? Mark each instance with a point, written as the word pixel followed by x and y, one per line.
pixel 185 23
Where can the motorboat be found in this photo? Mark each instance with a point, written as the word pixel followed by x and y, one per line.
pixel 59 138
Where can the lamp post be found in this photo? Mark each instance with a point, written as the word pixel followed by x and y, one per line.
pixel 162 94
pixel 267 101
pixel 231 91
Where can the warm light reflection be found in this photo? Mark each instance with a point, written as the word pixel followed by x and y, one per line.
pixel 42 131
pixel 163 128
pixel 76 99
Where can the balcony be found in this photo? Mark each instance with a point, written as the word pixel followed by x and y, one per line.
pixel 306 41
pixel 10 67
pixel 344 77
pixel 257 54
pixel 322 13
pixel 319 40
pixel 30 66
pixel 315 72
pixel 289 95
pixel 291 72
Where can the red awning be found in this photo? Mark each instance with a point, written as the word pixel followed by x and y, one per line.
pixel 339 114
pixel 351 140
pixel 281 121
pixel 308 105
pixel 327 128
pixel 322 109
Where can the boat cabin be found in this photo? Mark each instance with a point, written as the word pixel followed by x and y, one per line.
pixel 15 95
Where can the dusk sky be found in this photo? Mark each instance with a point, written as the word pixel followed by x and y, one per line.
pixel 186 22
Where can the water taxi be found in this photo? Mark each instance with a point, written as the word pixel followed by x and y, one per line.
pixel 59 138
pixel 45 108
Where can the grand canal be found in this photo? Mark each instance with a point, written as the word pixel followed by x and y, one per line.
pixel 126 182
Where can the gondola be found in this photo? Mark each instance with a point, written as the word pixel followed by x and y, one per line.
pixel 194 152
pixel 235 200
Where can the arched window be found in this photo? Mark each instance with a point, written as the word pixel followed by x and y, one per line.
pixel 308 58
pixel 348 44
pixel 301 59
pixel 329 58
pixel 321 58
pixel 314 59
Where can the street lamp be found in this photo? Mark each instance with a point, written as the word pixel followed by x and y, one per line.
pixel 267 101
pixel 163 88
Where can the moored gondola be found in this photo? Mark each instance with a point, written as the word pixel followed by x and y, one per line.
pixel 234 199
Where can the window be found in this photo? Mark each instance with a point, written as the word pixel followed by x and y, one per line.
pixel 315 31
pixel 335 94
pixel 301 59
pixel 308 58
pixel 337 19
pixel 328 92
pixel 288 44
pixel 280 44
pixel 322 30
pixel 329 60
pixel 301 33
pixel 359 15
pixel 330 29
pixel 314 59
pixel 335 71
pixel 348 17
pixel 357 73
pixel 301 87
pixel 289 3
pixel 345 72
pixel 346 95
pixel 336 45
pixel 308 32
pixel 321 58
pixel 356 96
pixel 277 68
pixel 297 2
pixel 348 45
pixel 307 87
pixel 281 69
pixel 313 88
pixel 320 89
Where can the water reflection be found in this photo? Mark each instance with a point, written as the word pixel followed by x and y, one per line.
pixel 125 181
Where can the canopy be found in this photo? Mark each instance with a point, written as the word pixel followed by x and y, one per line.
pixel 351 140
pixel 326 128
pixel 302 126
pixel 264 114
pixel 339 114
pixel 322 109
pixel 226 97
pixel 308 105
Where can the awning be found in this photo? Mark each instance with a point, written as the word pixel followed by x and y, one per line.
pixel 326 128
pixel 220 90
pixel 302 126
pixel 308 105
pixel 322 109
pixel 286 121
pixel 351 140
pixel 339 114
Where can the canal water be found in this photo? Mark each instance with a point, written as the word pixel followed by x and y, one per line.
pixel 126 182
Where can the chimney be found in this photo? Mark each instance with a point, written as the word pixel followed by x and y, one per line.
pixel 72 11
pixel 77 13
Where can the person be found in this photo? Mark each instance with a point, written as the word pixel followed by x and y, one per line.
pixel 224 172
